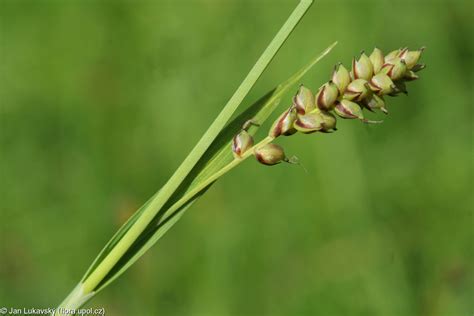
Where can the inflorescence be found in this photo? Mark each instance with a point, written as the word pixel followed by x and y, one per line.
pixel 346 95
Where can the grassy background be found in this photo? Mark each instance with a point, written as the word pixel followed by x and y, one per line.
pixel 101 101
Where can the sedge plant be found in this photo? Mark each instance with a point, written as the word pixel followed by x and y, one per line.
pixel 226 144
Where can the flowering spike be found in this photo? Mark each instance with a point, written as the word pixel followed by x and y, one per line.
pixel 310 122
pixel 357 90
pixel 241 142
pixel 377 60
pixel 304 100
pixel 284 124
pixel 347 93
pixel 341 78
pixel 270 154
pixel 326 96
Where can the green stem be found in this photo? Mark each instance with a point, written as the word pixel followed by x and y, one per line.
pixel 104 267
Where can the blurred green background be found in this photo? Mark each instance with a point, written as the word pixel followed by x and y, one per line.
pixel 101 101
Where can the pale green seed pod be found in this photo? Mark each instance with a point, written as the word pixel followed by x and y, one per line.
pixel 329 122
pixel 241 142
pixel 374 102
pixel 310 122
pixel 377 60
pixel 357 90
pixel 381 84
pixel 326 96
pixel 348 110
pixel 362 68
pixel 284 124
pixel 411 58
pixel 341 78
pixel 270 154
pixel 395 69
pixel 304 100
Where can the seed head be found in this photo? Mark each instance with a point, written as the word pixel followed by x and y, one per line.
pixel 346 95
